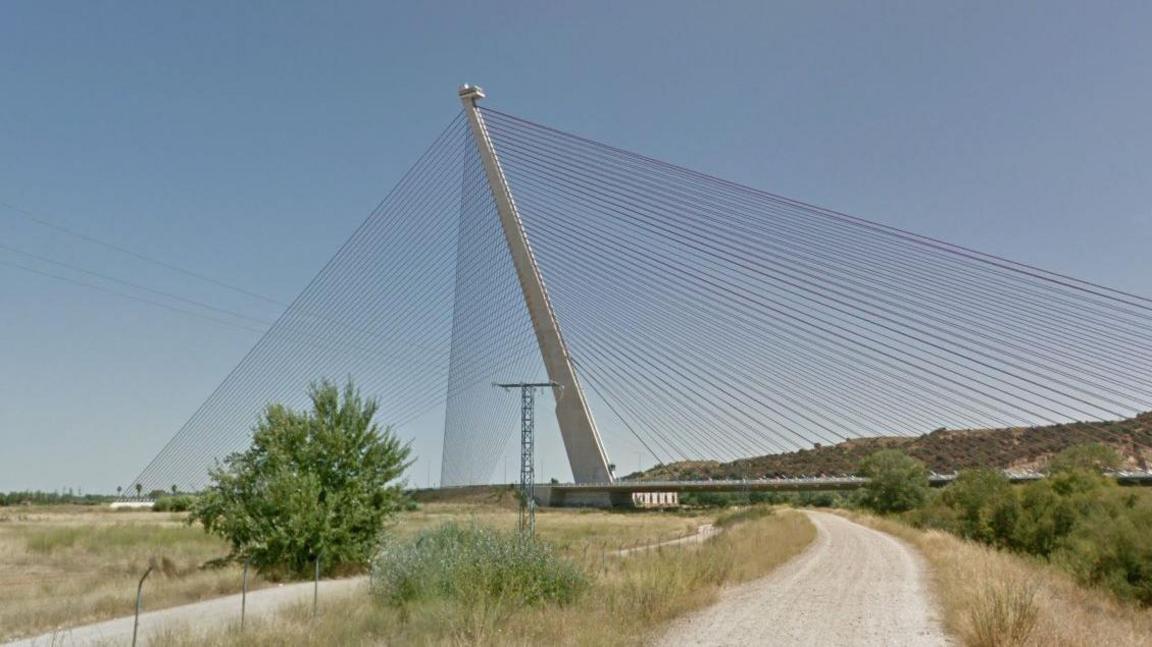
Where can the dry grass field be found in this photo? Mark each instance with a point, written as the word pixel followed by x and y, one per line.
pixel 65 566
pixel 992 598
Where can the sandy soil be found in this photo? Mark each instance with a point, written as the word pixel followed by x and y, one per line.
pixel 852 586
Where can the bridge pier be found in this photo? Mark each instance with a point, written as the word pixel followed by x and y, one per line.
pixel 586 454
pixel 549 496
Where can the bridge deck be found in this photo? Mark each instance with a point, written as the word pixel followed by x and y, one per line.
pixel 559 494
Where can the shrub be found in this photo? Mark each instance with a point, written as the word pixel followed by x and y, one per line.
pixel 1004 614
pixel 178 503
pixel 1076 518
pixel 313 484
pixel 1094 457
pixel 473 565
pixel 986 508
pixel 1111 546
pixel 897 482
pixel 1046 518
pixel 709 499
pixel 753 513
pixel 818 499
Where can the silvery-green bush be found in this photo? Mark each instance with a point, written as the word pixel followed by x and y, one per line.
pixel 473 564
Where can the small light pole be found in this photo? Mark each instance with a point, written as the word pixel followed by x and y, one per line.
pixel 316 586
pixel 526 522
pixel 139 596
pixel 244 592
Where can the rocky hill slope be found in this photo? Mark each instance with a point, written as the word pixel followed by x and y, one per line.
pixel 943 451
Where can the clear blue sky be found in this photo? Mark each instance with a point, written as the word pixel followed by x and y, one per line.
pixel 247 140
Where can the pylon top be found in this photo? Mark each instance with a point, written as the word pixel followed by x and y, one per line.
pixel 471 92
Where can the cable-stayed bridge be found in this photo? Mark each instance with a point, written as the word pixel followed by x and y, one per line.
pixel 680 314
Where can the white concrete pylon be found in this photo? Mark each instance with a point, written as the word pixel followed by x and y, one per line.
pixel 586 453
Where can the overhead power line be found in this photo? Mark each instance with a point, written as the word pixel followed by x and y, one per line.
pixel 31 216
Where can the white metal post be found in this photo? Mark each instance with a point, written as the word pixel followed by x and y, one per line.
pixel 586 453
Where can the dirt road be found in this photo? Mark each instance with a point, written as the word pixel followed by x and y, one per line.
pixel 703 533
pixel 852 586
pixel 199 616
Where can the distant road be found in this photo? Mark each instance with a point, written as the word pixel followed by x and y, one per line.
pixel 215 613
pixel 703 533
pixel 852 586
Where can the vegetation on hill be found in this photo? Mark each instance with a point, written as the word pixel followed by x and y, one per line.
pixel 942 451
pixel 316 484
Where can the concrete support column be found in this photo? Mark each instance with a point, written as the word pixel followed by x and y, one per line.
pixel 586 453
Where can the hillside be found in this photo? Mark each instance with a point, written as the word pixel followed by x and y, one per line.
pixel 943 451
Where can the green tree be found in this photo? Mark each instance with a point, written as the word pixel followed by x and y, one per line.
pixel 897 482
pixel 1111 546
pixel 320 482
pixel 1046 517
pixel 986 506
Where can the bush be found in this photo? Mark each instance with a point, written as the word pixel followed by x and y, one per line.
pixel 1076 518
pixel 818 499
pixel 711 499
pixel 897 482
pixel 314 484
pixel 1046 518
pixel 729 519
pixel 728 499
pixel 1111 546
pixel 1093 457
pixel 177 503
pixel 1005 613
pixel 473 565
pixel 986 508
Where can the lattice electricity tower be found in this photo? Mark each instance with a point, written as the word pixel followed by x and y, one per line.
pixel 527 519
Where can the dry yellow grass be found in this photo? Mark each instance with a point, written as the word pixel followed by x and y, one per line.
pixel 567 529
pixel 996 599
pixel 67 566
pixel 629 597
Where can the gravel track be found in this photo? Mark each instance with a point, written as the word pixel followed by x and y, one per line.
pixel 851 586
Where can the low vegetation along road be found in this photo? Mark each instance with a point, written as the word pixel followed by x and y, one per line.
pixel 852 586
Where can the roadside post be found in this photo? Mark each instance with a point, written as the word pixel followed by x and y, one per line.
pixel 316 586
pixel 139 596
pixel 244 592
